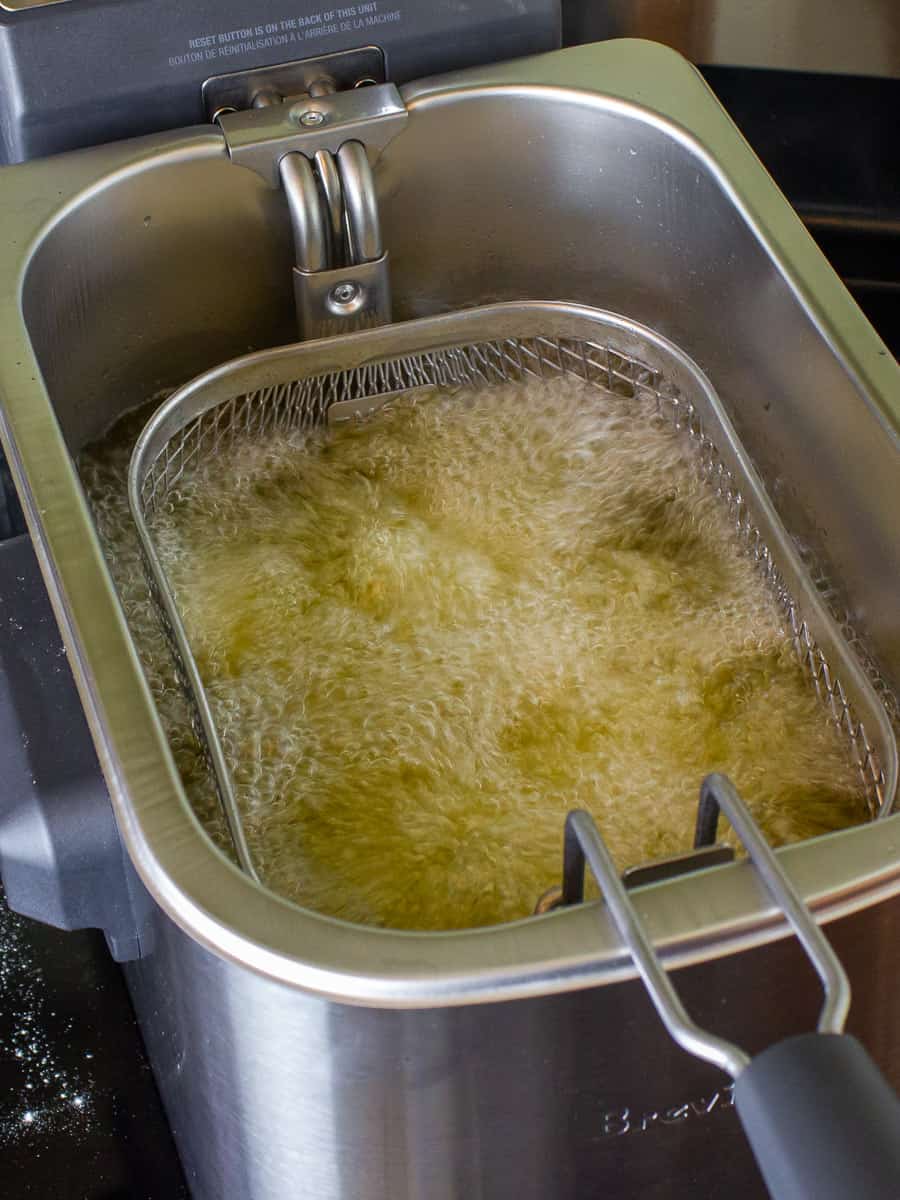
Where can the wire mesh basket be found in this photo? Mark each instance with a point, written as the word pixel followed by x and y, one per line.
pixel 311 384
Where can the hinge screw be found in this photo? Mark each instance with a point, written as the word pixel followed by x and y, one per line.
pixel 344 293
pixel 312 117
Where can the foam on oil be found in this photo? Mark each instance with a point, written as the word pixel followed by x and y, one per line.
pixel 428 636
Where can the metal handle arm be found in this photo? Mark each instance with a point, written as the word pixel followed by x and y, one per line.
pixel 584 844
pixel 581 830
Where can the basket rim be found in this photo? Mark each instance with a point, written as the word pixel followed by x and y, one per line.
pixel 477 326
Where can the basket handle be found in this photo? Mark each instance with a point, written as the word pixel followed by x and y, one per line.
pixel 819 1116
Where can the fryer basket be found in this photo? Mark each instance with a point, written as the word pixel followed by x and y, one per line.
pixel 311 383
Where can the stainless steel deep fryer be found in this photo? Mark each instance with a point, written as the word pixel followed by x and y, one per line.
pixel 817 1113
pixel 281 390
pixel 382 1064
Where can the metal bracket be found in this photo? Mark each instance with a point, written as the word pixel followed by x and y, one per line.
pixel 667 868
pixel 317 104
pixel 705 853
pixel 317 145
pixel 342 300
pixel 343 71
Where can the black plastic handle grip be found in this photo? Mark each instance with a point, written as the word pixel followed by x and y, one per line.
pixel 822 1121
pixel 61 859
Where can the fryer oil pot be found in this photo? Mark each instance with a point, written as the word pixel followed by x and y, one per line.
pixel 301 1055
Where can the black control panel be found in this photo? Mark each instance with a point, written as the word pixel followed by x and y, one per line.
pixel 83 72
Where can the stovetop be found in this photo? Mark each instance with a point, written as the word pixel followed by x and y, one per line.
pixel 79 1113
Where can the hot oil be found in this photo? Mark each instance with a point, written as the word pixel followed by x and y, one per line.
pixel 428 636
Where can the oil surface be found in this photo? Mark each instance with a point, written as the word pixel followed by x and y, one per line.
pixel 427 637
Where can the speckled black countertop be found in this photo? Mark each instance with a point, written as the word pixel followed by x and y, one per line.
pixel 79 1113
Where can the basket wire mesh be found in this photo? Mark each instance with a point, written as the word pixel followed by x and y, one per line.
pixel 602 350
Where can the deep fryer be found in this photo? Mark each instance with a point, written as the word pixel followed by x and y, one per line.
pixel 401 1008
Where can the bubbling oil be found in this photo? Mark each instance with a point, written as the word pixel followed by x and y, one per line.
pixel 427 636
